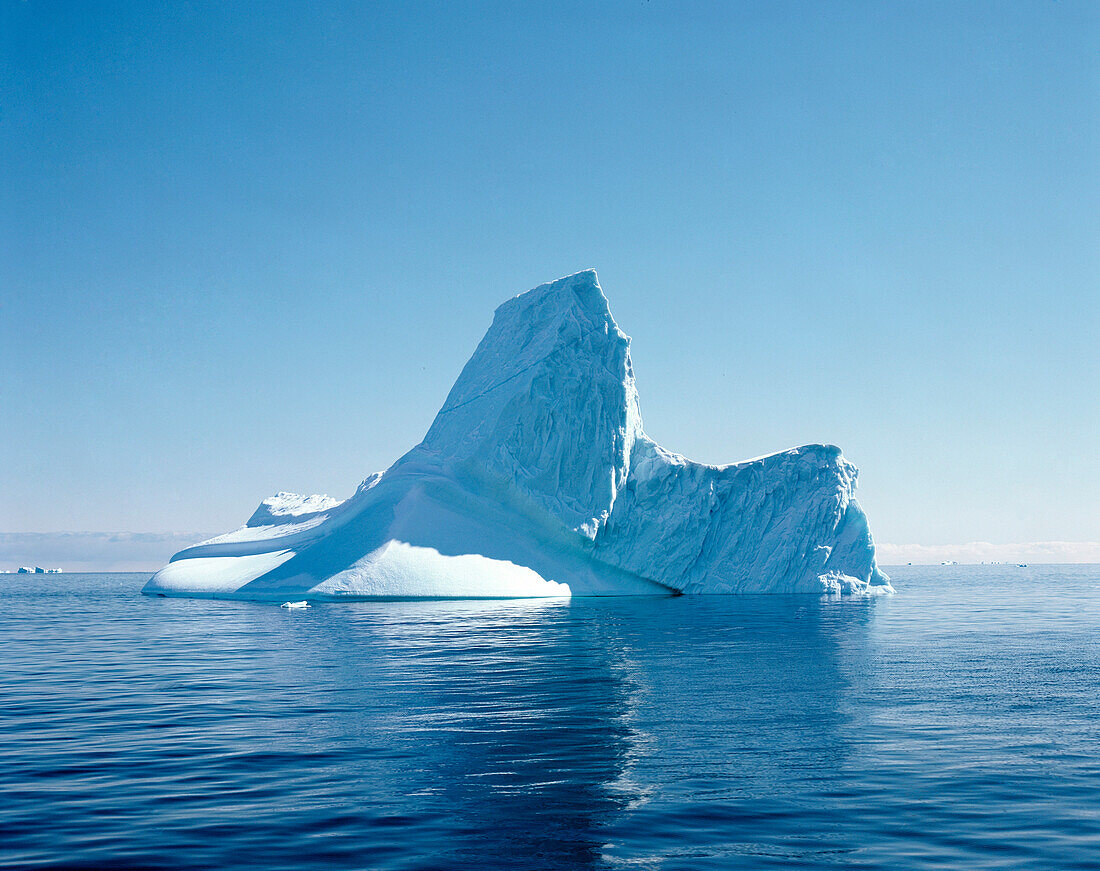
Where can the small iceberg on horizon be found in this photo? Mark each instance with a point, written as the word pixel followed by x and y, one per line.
pixel 536 479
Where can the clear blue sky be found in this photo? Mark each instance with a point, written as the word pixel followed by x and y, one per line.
pixel 247 247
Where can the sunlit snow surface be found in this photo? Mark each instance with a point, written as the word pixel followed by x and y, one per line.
pixel 536 479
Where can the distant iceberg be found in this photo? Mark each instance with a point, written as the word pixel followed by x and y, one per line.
pixel 536 479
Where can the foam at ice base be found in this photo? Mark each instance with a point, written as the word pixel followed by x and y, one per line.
pixel 536 479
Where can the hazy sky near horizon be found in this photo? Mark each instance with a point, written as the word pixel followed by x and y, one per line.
pixel 248 247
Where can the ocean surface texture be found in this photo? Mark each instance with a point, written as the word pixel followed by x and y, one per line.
pixel 954 725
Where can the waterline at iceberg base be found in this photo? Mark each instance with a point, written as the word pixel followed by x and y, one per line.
pixel 536 479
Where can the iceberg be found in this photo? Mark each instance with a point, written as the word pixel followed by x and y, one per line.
pixel 536 479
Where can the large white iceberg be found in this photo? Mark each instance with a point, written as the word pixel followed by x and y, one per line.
pixel 537 479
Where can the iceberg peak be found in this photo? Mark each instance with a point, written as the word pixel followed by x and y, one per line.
pixel 552 374
pixel 584 286
pixel 537 479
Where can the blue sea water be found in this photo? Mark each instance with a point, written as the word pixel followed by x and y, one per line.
pixel 954 725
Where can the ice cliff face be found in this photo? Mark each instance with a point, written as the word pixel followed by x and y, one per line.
pixel 537 479
pixel 546 405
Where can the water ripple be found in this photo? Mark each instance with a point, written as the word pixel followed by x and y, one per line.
pixel 952 725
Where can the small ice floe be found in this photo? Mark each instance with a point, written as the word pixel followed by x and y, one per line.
pixel 294 606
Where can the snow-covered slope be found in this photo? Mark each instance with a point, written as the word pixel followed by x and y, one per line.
pixel 537 479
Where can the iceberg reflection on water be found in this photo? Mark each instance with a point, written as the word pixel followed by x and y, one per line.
pixel 953 726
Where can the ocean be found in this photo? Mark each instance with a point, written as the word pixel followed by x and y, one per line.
pixel 953 725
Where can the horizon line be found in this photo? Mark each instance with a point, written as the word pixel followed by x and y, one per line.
pixel 90 551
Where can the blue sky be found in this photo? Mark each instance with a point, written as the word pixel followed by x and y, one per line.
pixel 248 247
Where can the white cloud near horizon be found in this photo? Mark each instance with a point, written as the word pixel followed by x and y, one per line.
pixel 983 551
pixel 93 551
